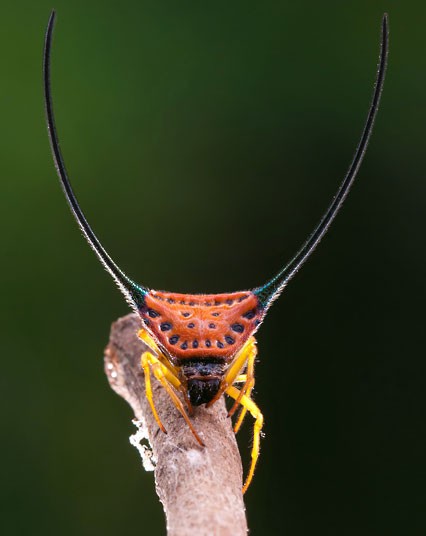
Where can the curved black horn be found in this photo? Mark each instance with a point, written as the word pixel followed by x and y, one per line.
pixel 272 289
pixel 134 293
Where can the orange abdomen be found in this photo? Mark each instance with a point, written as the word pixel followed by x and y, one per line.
pixel 189 326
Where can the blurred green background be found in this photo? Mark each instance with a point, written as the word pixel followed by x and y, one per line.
pixel 204 141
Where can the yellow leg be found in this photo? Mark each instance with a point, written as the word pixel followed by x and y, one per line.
pixel 149 341
pixel 243 411
pixel 167 375
pixel 173 378
pixel 247 351
pixel 249 405
pixel 148 389
pixel 248 386
pixel 242 378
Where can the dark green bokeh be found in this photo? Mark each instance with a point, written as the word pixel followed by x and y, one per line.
pixel 204 141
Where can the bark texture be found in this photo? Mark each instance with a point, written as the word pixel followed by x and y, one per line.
pixel 200 488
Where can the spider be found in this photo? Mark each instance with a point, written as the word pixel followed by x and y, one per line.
pixel 202 345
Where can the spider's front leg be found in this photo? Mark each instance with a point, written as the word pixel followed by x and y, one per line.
pixel 243 358
pixel 246 389
pixel 166 374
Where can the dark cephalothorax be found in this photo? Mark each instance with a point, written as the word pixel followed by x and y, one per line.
pixel 203 377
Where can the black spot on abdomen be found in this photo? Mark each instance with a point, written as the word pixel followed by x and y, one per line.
pixel 174 339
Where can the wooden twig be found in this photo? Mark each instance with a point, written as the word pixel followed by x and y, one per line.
pixel 200 488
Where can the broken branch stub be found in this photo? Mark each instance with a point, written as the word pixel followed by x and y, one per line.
pixel 200 488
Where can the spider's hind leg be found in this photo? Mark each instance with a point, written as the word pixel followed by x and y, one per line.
pixel 248 405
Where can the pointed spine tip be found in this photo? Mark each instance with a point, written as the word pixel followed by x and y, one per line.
pixel 52 17
pixel 385 25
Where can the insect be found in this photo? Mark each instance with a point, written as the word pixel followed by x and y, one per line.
pixel 202 345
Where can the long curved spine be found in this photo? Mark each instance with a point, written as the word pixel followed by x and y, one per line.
pixel 133 293
pixel 273 288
